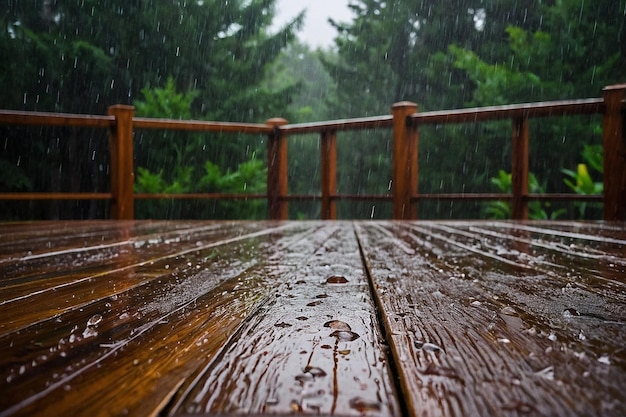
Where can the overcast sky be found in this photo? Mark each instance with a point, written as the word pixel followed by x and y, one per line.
pixel 316 31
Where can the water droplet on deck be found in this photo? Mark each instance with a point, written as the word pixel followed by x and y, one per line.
pixel 362 405
pixel 546 373
pixel 428 347
pixel 89 332
pixel 315 371
pixel 322 296
pixel 336 279
pixel 272 401
pixel 94 320
pixel 338 325
pixel 314 303
pixel 344 335
pixel 508 311
pixel 304 378
pixel 302 318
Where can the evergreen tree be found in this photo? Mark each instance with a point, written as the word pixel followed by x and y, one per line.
pixel 83 56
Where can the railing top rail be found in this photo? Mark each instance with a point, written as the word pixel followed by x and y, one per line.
pixel 540 109
pixel 374 122
pixel 199 125
pixel 54 119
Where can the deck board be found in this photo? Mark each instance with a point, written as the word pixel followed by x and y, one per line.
pixel 314 348
pixel 180 318
pixel 503 326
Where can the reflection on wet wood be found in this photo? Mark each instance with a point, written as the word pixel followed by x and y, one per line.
pixel 371 318
pixel 313 348
pixel 503 319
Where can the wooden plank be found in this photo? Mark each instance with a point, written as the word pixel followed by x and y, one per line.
pixel 32 286
pixel 122 162
pixel 126 348
pixel 512 111
pixel 314 348
pixel 328 151
pixel 493 320
pixel 277 180
pixel 519 169
pixel 404 158
pixel 13 117
pixel 614 142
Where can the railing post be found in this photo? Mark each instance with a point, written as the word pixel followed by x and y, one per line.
pixel 405 169
pixel 277 171
pixel 614 153
pixel 329 174
pixel 519 170
pixel 122 171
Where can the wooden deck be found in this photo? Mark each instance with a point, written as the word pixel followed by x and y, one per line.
pixel 107 318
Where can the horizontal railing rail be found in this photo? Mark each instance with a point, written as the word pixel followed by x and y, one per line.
pixel 520 115
pixel 404 122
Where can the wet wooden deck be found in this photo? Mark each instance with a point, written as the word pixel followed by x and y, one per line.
pixel 334 318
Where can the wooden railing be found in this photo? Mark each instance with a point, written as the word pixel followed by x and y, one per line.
pixel 404 121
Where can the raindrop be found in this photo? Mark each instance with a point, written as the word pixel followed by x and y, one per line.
pixel 94 320
pixel 570 312
pixel 508 311
pixel 338 325
pixel 89 332
pixel 336 279
pixel 345 335
pixel 362 405
pixel 428 347
pixel 272 401
pixel 315 371
pixel 546 373
pixel 304 378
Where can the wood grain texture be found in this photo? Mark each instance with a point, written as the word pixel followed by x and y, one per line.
pixel 314 348
pixel 503 319
pixel 151 318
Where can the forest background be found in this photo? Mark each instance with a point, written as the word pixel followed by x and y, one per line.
pixel 215 60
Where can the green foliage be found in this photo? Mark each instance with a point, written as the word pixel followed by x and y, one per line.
pixel 165 102
pixel 249 177
pixel 13 178
pixel 536 210
pixel 465 53
pixel 200 59
pixel 581 182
